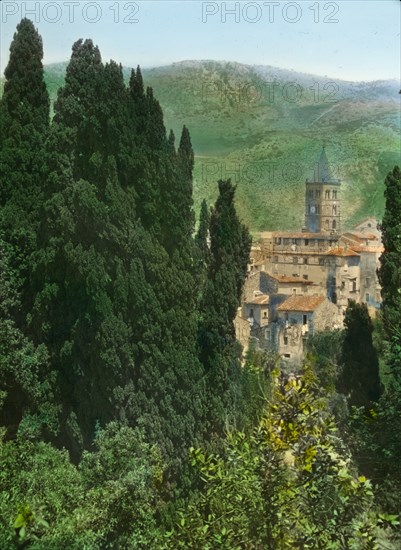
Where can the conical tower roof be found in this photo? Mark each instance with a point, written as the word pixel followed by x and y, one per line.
pixel 322 172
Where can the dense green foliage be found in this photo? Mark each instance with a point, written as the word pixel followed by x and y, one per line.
pixel 110 501
pixel 287 484
pixel 118 356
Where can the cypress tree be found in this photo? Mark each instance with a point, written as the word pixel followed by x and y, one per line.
pixel 201 239
pixel 24 121
pixel 390 269
pixel 114 305
pixel 359 379
pixel 229 254
pixel 83 244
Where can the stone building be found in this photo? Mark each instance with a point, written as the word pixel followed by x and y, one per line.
pixel 298 318
pixel 319 261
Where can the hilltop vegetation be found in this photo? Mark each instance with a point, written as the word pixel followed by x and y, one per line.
pixel 266 137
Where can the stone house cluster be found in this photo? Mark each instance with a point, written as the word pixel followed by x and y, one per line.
pixel 300 282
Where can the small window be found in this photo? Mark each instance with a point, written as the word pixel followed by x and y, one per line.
pixel 286 340
pixel 306 242
pixel 334 224
pixel 367 297
pixel 288 355
pixel 294 290
pixel 278 240
pixel 334 194
pixel 305 319
pixel 265 314
pixel 305 261
pixel 317 194
pixel 305 277
pixel 286 316
pixel 327 194
pixel 251 313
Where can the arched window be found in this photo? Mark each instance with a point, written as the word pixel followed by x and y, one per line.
pixel 327 224
pixel 334 210
pixel 327 194
pixel 334 224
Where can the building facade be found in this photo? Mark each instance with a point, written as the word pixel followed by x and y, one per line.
pixel 319 264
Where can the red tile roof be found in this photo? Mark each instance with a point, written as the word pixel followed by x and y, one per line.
pixel 301 303
pixel 289 279
pixel 259 300
pixel 342 252
pixel 359 236
pixel 374 249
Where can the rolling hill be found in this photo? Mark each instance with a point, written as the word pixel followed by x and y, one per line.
pixel 264 127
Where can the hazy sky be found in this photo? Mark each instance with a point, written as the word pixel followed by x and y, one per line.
pixel 349 39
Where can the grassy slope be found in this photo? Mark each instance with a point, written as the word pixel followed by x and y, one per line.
pixel 268 144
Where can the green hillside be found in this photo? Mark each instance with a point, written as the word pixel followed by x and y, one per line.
pixel 264 127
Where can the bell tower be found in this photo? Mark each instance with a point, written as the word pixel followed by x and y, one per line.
pixel 322 199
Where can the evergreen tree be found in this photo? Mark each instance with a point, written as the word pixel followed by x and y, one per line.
pixel 24 120
pixel 390 270
pixel 359 379
pixel 203 229
pixel 202 250
pixel 83 244
pixel 229 254
pixel 113 302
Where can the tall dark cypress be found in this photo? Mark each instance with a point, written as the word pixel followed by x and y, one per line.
pixel 390 269
pixel 186 161
pixel 359 379
pixel 202 235
pixel 229 253
pixel 114 305
pixel 87 218
pixel 24 121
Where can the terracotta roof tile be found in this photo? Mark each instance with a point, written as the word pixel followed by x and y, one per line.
pixel 374 249
pixel 360 236
pixel 289 279
pixel 259 300
pixel 342 252
pixel 301 303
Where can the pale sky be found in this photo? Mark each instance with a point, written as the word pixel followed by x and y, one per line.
pixel 346 39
